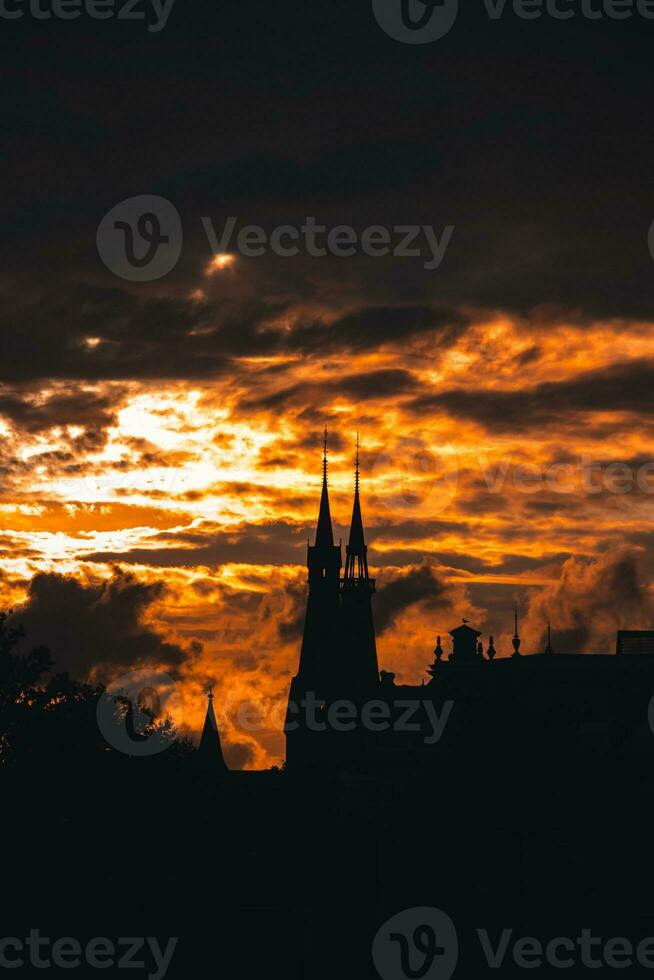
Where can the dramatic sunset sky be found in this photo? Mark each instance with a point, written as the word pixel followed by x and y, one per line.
pixel 161 442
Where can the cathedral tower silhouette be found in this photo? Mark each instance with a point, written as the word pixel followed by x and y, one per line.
pixel 338 657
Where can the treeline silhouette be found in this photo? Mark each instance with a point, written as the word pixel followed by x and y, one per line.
pixel 47 718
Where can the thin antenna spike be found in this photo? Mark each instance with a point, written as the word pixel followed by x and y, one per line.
pixel 548 648
pixel 324 458
pixel 356 467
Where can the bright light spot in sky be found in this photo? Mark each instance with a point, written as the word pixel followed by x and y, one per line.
pixel 221 261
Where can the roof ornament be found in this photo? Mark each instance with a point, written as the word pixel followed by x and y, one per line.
pixel 356 467
pixel 324 457
pixel 516 635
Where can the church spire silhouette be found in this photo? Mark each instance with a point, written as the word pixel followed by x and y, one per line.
pixel 324 533
pixel 356 561
pixel 210 749
pixel 358 588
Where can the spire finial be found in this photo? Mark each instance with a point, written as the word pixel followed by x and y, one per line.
pixel 210 694
pixel 324 458
pixel 356 467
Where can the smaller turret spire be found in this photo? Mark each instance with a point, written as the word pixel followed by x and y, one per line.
pixel 516 635
pixel 210 750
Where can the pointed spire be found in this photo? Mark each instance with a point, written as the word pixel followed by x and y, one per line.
pixel 516 635
pixel 490 652
pixel 210 748
pixel 357 542
pixel 324 533
pixel 356 565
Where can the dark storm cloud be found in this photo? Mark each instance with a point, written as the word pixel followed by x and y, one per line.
pixel 34 412
pixel 96 626
pixel 275 542
pixel 417 584
pixel 626 387
pixel 386 383
pixel 45 329
pixel 510 130
pixel 289 629
pixel 369 327
pixel 140 337
pixel 593 599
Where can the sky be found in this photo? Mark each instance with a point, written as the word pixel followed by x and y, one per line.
pixel 161 440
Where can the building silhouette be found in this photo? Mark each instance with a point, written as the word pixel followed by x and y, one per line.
pixel 343 713
pixel 541 705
